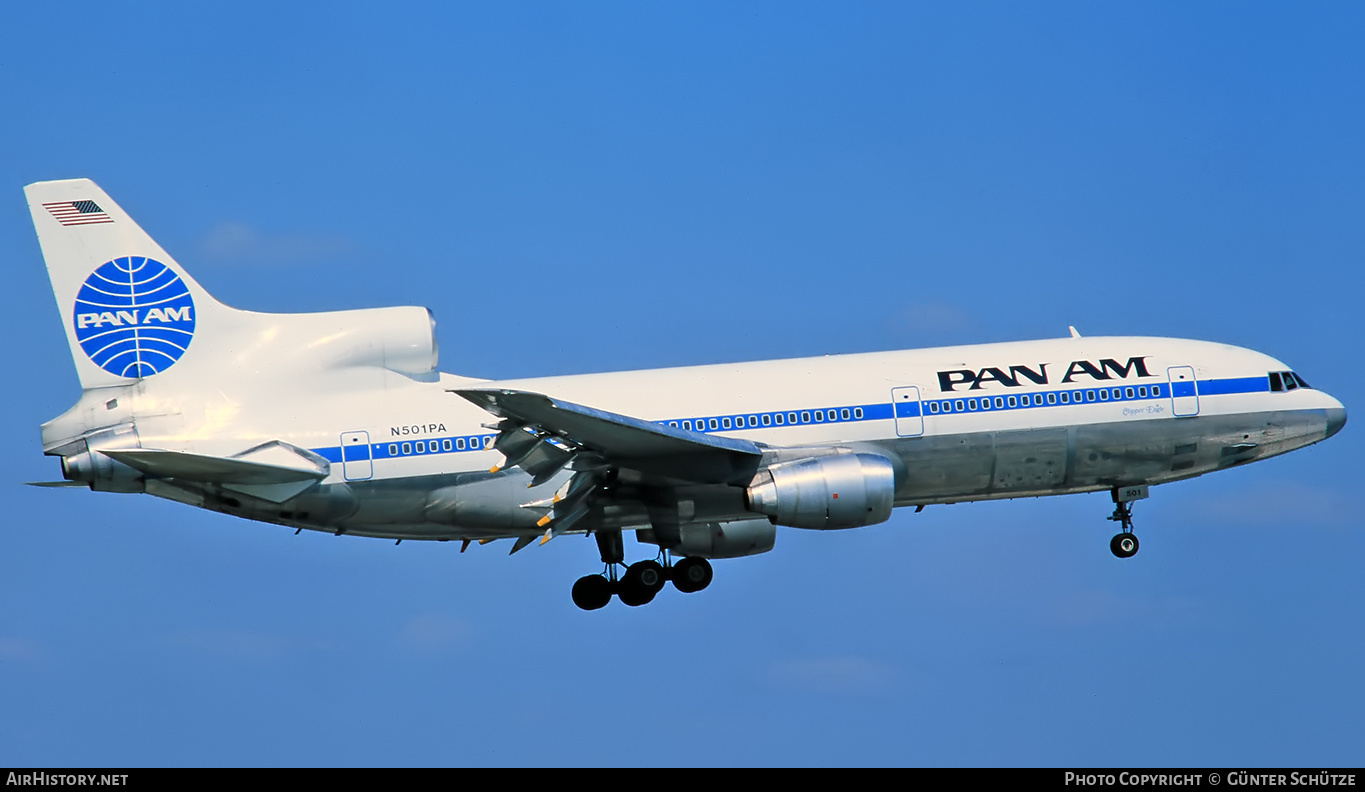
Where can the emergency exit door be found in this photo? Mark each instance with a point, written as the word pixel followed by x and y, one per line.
pixel 909 419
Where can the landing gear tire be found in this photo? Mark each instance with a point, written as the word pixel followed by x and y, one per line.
pixel 641 582
pixel 592 592
pixel 691 575
pixel 1124 545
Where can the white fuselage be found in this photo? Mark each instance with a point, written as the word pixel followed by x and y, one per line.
pixel 963 423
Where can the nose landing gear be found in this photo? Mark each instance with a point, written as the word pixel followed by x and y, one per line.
pixel 1125 544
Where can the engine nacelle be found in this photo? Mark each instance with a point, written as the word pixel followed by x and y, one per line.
pixel 102 473
pixel 401 339
pixel 398 339
pixel 728 539
pixel 843 491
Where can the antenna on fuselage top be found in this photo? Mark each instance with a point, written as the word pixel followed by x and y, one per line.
pixel 1074 333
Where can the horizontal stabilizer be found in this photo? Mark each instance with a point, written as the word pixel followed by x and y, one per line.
pixel 272 463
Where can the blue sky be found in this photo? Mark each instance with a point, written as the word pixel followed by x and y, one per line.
pixel 596 187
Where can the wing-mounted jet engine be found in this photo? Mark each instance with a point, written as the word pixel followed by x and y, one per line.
pixel 840 491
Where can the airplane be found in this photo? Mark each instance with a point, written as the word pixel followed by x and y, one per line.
pixel 340 422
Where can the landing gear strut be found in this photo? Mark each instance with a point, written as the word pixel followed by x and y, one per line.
pixel 642 580
pixel 1125 544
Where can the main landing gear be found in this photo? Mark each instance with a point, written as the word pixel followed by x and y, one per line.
pixel 1125 544
pixel 642 580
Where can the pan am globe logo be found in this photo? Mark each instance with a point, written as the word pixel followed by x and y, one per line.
pixel 134 317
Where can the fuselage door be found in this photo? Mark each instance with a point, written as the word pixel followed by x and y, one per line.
pixel 1184 393
pixel 905 404
pixel 357 463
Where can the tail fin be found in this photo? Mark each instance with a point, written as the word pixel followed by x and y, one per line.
pixel 129 309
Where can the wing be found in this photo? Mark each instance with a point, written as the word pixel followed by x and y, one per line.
pixel 532 421
pixel 543 435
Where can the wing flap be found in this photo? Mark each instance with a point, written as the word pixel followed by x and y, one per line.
pixel 618 440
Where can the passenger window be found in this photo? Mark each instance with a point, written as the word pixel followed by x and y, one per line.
pixel 844 414
pixel 819 416
pixel 791 418
pixel 725 423
pixel 1089 395
pixel 805 417
pixel 933 407
pixel 714 423
pixel 957 405
pixel 971 404
pixel 767 419
pixel 999 403
pixel 445 444
pixel 1012 402
pixel 407 448
pixel 393 449
pixel 858 413
pixel 1156 390
pixel 1142 391
pixel 777 418
pixel 1052 398
pixel 1128 392
pixel 985 404
pixel 1066 397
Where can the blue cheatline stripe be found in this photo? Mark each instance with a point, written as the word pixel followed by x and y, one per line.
pixel 454 444
pixel 880 411
pixel 907 409
pixel 1242 385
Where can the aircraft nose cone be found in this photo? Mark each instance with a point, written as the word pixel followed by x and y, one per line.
pixel 1336 418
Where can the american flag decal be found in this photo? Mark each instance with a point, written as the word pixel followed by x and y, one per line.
pixel 70 213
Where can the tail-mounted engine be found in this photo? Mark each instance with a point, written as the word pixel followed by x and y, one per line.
pixel 86 465
pixel 843 491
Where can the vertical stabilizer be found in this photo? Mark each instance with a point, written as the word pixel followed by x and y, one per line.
pixel 129 309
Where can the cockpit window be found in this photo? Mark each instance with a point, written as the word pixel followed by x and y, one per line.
pixel 1286 381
